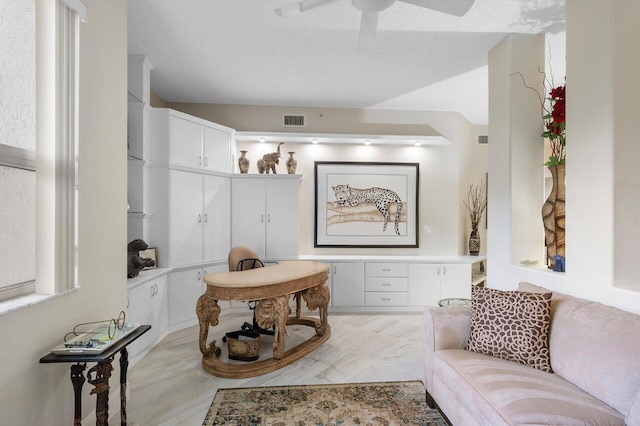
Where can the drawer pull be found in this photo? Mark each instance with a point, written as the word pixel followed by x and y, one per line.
pixel 386 270
pixel 386 284
pixel 386 299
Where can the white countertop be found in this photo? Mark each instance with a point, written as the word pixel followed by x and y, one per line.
pixel 382 258
pixel 151 274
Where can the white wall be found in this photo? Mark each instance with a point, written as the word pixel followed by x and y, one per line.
pixel 33 393
pixel 599 130
pixel 445 172
pixel 626 89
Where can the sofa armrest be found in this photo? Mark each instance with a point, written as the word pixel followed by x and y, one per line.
pixel 443 328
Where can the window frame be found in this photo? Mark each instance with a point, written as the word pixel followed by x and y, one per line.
pixel 55 158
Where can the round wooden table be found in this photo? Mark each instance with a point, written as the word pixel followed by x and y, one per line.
pixel 272 288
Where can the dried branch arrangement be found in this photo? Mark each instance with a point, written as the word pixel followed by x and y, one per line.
pixel 476 203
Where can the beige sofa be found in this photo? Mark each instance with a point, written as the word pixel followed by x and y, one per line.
pixel 595 356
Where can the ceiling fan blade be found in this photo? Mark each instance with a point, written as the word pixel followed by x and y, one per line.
pixel 301 6
pixel 368 26
pixel 451 7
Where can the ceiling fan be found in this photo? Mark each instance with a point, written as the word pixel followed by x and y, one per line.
pixel 371 8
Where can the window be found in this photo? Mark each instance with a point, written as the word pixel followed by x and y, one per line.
pixel 38 157
pixel 17 147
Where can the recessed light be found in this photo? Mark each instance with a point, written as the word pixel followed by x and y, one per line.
pixel 418 143
pixel 314 141
pixel 367 142
pixel 262 140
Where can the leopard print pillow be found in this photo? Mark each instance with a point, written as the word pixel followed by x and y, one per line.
pixel 512 325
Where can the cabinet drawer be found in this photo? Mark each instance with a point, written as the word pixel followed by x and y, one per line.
pixel 386 284
pixel 386 270
pixel 385 299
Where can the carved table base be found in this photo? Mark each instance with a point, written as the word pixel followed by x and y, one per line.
pixel 270 312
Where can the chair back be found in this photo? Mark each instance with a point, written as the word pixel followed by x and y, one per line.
pixel 242 258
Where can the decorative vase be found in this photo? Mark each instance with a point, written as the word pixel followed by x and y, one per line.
pixel 261 166
pixel 243 162
pixel 474 241
pixel 553 215
pixel 292 163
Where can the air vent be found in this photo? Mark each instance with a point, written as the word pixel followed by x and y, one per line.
pixel 294 120
pixel 483 139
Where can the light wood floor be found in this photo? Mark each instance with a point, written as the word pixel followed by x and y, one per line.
pixel 169 387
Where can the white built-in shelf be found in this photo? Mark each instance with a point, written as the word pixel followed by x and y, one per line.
pixel 139 215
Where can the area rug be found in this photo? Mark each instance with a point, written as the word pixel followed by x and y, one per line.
pixel 390 403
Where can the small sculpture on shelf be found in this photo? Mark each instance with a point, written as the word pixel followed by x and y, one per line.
pixel 243 162
pixel 261 166
pixel 271 159
pixel 292 163
pixel 135 263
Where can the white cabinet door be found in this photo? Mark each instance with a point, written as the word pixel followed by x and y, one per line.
pixel 186 218
pixel 455 281
pixel 216 219
pixel 185 287
pixel 217 150
pixel 161 306
pixel 148 305
pixel 248 221
pixel 141 312
pixel 282 219
pixel 347 284
pixel 424 284
pixel 185 142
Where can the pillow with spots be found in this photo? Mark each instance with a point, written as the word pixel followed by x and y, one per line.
pixel 512 325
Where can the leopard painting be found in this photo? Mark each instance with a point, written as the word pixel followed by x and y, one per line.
pixel 348 196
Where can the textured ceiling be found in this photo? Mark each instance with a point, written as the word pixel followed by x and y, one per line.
pixel 241 52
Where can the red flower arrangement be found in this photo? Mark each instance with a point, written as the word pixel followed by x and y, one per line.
pixel 554 120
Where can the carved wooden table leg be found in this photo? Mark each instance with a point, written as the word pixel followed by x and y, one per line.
pixel 77 379
pixel 298 297
pixel 208 311
pixel 100 381
pixel 270 312
pixel 318 298
pixel 124 366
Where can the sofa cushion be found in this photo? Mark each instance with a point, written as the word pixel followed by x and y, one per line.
pixel 596 347
pixel 501 392
pixel 511 325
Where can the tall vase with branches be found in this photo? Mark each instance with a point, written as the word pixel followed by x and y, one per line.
pixel 552 109
pixel 476 204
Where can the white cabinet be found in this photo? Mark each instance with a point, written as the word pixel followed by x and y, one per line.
pixel 396 286
pixel 191 223
pixel 347 284
pixel 455 281
pixel 430 282
pixel 148 305
pixel 386 284
pixel 183 140
pixel 265 215
pixel 185 287
pixel 217 149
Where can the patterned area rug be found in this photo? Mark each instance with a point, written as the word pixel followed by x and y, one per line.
pixel 391 403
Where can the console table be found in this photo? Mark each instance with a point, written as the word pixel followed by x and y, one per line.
pixel 98 376
pixel 272 288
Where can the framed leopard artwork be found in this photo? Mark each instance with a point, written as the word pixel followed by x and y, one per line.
pixel 366 204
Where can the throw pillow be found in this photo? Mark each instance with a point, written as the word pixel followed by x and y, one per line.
pixel 512 325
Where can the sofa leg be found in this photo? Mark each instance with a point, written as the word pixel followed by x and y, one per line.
pixel 431 403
